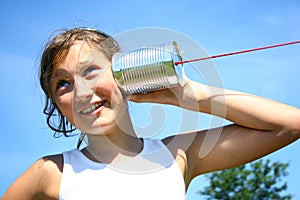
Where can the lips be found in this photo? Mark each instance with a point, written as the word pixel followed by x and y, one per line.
pixel 93 107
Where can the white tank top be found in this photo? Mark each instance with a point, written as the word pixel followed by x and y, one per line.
pixel 151 175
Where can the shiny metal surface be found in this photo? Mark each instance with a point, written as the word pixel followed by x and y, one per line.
pixel 148 69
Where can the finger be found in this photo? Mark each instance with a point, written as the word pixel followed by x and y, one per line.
pixel 149 97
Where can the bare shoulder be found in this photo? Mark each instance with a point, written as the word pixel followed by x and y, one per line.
pixel 55 161
pixel 40 181
pixel 180 145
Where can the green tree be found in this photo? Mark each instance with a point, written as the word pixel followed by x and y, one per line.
pixel 258 180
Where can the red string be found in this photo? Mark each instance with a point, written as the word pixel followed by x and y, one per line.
pixel 238 52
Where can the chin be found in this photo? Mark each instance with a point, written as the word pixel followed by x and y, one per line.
pixel 102 125
pixel 101 128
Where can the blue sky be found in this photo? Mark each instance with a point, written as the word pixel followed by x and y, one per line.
pixel 217 26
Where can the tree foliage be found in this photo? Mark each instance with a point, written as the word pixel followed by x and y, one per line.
pixel 258 180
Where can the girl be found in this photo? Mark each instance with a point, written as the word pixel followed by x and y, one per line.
pixel 76 77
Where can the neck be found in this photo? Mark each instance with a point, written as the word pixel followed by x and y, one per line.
pixel 108 147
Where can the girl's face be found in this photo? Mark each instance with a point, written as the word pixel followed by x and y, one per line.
pixel 85 91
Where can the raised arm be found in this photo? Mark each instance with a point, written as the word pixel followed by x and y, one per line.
pixel 241 108
pixel 260 126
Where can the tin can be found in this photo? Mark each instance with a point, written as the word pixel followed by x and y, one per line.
pixel 148 69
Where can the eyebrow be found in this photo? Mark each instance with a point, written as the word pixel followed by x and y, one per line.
pixel 83 64
pixel 56 73
pixel 62 72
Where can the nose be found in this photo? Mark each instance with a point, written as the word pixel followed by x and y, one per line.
pixel 82 91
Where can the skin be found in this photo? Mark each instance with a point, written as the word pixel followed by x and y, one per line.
pixel 85 78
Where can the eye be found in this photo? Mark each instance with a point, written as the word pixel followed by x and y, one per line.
pixel 89 70
pixel 62 84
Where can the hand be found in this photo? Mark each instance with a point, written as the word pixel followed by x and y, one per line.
pixel 165 96
pixel 186 96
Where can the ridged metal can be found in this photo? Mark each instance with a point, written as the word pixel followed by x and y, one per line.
pixel 148 69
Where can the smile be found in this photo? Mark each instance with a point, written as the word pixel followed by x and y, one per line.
pixel 92 107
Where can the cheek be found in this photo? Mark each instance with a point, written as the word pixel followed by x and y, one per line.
pixel 65 105
pixel 108 86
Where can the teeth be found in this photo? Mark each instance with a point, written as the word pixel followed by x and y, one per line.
pixel 92 107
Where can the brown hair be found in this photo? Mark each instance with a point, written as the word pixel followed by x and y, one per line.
pixel 54 53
